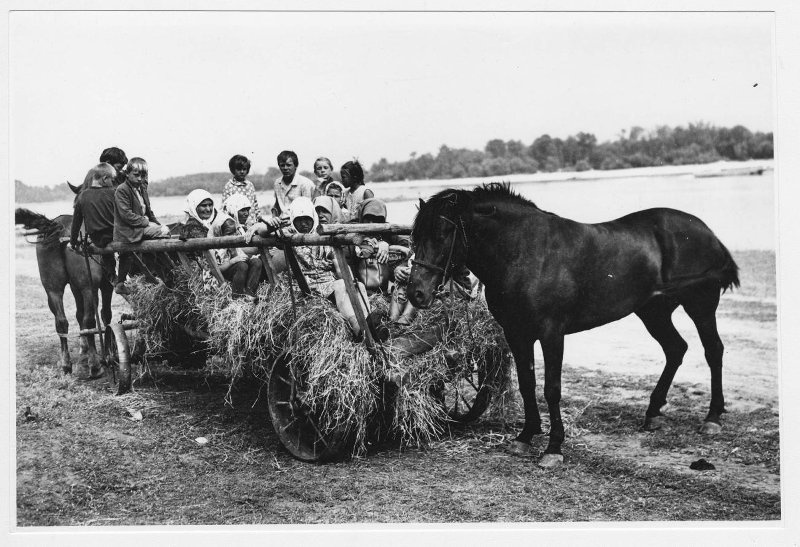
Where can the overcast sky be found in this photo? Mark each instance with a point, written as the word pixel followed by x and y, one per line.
pixel 188 90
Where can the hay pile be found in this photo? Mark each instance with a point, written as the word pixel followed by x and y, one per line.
pixel 345 385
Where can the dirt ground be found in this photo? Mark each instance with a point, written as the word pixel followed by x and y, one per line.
pixel 83 459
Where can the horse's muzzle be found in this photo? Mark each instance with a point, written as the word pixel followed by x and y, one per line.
pixel 419 299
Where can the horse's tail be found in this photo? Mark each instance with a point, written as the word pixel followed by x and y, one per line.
pixel 729 273
pixel 724 274
pixel 50 229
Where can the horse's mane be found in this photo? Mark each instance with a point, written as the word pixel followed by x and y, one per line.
pixel 458 202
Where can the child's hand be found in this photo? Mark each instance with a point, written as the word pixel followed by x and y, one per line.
pixel 164 230
pixel 253 230
pixel 402 273
pixel 382 254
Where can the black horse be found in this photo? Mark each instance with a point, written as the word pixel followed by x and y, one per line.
pixel 547 276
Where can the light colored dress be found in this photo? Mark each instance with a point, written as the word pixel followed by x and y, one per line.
pixel 352 199
pixel 247 189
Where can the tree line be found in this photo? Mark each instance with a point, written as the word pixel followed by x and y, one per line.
pixel 696 143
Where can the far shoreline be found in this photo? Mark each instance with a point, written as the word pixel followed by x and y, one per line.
pixel 719 168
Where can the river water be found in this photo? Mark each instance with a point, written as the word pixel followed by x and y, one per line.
pixel 739 209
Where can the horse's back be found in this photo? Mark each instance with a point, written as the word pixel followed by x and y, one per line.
pixel 65 221
pixel 690 251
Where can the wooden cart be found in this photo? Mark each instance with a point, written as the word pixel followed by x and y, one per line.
pixel 466 396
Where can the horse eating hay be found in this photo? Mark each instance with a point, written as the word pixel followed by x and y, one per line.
pixel 547 276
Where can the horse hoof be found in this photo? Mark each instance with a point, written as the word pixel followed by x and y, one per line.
pixel 518 448
pixel 549 461
pixel 710 428
pixel 653 424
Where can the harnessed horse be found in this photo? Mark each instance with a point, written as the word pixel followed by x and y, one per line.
pixel 547 276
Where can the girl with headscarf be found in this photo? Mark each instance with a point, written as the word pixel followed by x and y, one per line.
pixel 238 265
pixel 319 268
pixel 335 190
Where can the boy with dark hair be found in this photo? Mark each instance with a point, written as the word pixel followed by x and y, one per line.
pixel 288 187
pixel 238 184
pixel 117 158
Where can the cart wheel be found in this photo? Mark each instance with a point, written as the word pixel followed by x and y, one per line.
pixel 294 421
pixel 118 356
pixel 468 394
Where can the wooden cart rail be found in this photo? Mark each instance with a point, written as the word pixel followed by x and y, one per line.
pixel 333 235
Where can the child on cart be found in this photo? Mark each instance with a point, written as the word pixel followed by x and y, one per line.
pixel 384 259
pixel 323 169
pixel 241 266
pixel 94 209
pixel 319 267
pixel 134 220
pixel 238 184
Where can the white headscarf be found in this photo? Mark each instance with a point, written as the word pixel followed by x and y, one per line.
pixel 234 204
pixel 195 198
pixel 303 207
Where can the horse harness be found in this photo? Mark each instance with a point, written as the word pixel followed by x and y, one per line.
pixel 447 270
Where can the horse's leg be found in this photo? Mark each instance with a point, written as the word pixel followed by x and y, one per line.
pixel 657 319
pixel 521 345
pixel 88 298
pixel 702 308
pixel 106 292
pixel 55 301
pixel 79 314
pixel 553 351
pixel 105 281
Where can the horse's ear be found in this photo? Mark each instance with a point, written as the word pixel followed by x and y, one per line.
pixel 485 209
pixel 421 203
pixel 75 189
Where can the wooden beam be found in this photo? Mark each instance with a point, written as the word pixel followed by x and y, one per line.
pixel 185 262
pixel 226 242
pixel 294 266
pixel 355 297
pixel 212 264
pixel 379 228
pixel 266 261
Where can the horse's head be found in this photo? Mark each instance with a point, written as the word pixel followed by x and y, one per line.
pixel 440 245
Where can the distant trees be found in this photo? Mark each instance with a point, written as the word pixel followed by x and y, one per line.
pixel 24 193
pixel 637 147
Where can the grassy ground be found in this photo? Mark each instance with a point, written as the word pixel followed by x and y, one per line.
pixel 84 460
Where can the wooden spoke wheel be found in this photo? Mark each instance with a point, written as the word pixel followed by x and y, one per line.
pixel 467 395
pixel 473 382
pixel 295 423
pixel 118 356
